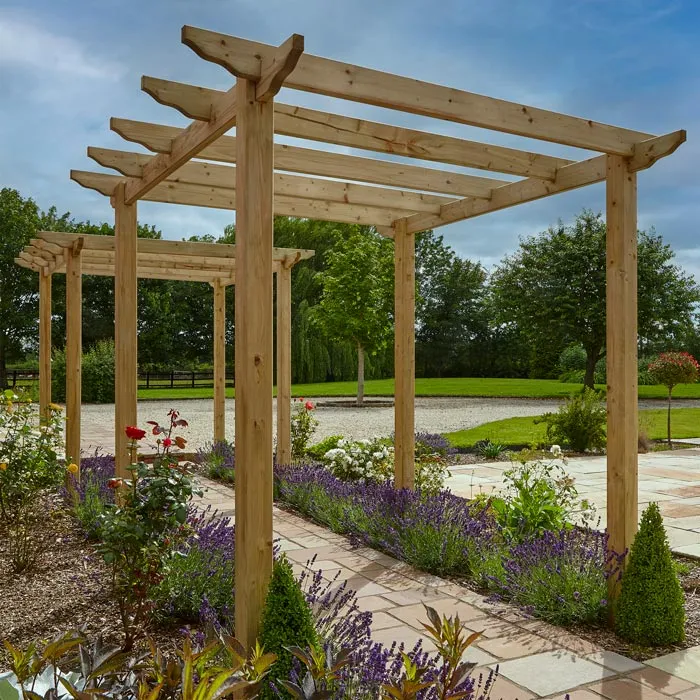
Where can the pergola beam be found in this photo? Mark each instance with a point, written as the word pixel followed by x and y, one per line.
pixel 300 122
pixel 219 198
pixel 200 173
pixel 570 177
pixel 325 76
pixel 158 138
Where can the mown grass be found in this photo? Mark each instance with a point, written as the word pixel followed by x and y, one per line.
pixel 685 423
pixel 465 386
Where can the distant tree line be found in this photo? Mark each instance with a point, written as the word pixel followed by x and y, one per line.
pixel 515 321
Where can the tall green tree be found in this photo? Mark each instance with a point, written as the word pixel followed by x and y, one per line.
pixel 357 300
pixel 553 288
pixel 450 313
pixel 19 221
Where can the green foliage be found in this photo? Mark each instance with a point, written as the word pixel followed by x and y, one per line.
pixel 287 621
pixel 89 510
pixel 579 423
pixel 319 450
pixel 303 427
pixel 29 469
pixel 490 449
pixel 356 304
pixel 538 497
pixel 553 289
pixel 430 473
pixel 139 534
pixel 651 605
pixel 97 373
pixel 110 673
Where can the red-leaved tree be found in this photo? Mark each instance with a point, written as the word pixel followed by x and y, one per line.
pixel 671 368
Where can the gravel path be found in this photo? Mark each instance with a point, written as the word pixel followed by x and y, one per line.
pixel 434 415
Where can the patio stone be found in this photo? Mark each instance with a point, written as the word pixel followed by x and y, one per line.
pixel 691 550
pixel 692 694
pixel 613 661
pixel 416 595
pixel 683 664
pixel 678 509
pixel 514 646
pixel 552 672
pixel 372 603
pixel 503 689
pixel 414 615
pixel 626 689
pixel 660 680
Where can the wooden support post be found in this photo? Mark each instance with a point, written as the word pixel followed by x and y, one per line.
pixel 254 358
pixel 284 364
pixel 125 327
pixel 621 352
pixel 219 361
pixel 44 344
pixel 74 342
pixel 404 355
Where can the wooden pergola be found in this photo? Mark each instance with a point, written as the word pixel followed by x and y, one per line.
pixel 76 255
pixel 400 200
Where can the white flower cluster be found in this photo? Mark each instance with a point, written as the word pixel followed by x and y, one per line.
pixel 362 460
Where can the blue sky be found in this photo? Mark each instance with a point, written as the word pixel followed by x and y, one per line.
pixel 67 66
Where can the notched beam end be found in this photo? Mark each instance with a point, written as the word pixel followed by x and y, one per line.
pixel 386 231
pixel 214 47
pixel 273 74
pixel 646 153
pixel 166 92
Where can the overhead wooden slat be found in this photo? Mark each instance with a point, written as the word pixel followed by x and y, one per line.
pixel 336 79
pixel 195 102
pixel 158 138
pixel 585 172
pixel 220 198
pixel 200 173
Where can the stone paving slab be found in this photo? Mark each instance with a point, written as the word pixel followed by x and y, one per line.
pixel 535 659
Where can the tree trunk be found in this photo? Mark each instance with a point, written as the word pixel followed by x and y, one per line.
pixel 592 358
pixel 668 419
pixel 360 375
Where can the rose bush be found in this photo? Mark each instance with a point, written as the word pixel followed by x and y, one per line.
pixel 304 426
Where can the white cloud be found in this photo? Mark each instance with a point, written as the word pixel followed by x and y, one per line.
pixel 26 44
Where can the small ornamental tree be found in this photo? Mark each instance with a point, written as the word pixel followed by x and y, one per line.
pixel 651 606
pixel 671 368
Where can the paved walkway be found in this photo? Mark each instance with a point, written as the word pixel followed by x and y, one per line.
pixel 672 479
pixel 535 659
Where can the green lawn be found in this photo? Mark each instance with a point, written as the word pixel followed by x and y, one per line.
pixel 685 423
pixel 506 388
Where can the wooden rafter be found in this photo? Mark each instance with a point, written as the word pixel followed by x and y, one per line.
pixel 224 176
pixel 336 79
pixel 195 102
pixel 571 177
pixel 158 138
pixel 172 192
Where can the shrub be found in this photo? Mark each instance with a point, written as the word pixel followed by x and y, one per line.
pixel 572 359
pixel 489 449
pixel 29 469
pixel 218 459
pixel 89 494
pixel 97 373
pixel 318 451
pixel 539 497
pixel 361 460
pixel 286 622
pixel 303 427
pixel 651 604
pixel 579 423
pixel 139 535
pixel 433 443
pixel 430 474
pixel 671 368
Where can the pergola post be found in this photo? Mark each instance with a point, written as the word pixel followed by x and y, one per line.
pixel 125 326
pixel 219 361
pixel 284 364
pixel 254 358
pixel 74 342
pixel 404 355
pixel 44 343
pixel 621 349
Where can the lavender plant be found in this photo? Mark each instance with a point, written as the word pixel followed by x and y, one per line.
pixel 218 461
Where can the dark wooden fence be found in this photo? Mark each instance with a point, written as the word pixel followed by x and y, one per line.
pixel 147 380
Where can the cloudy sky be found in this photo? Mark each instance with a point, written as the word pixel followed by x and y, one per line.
pixel 66 66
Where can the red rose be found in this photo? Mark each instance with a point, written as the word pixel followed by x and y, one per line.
pixel 114 483
pixel 134 433
pixel 167 442
pixel 309 406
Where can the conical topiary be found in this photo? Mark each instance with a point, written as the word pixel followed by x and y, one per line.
pixel 650 609
pixel 286 622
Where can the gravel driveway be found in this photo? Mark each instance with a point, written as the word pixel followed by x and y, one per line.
pixel 434 415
